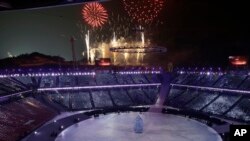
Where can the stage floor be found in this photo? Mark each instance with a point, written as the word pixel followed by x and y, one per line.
pixel 157 127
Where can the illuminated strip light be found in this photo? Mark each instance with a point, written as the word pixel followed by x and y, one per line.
pixel 15 94
pixel 99 87
pixel 212 88
pixel 73 74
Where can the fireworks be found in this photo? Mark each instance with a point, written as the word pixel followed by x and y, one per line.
pixel 94 14
pixel 87 45
pixel 143 11
pixel 101 42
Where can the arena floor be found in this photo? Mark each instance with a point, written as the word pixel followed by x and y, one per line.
pixel 157 127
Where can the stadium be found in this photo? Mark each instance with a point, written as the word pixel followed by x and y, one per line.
pixel 121 86
pixel 62 99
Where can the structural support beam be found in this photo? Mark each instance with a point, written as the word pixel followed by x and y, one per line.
pixel 163 94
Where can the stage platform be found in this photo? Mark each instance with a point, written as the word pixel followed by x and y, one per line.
pixel 157 127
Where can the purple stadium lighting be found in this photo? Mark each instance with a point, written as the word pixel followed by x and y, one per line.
pixel 201 72
pixel 212 88
pixel 99 87
pixel 79 73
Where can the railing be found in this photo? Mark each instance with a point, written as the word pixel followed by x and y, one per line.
pixel 99 87
pixel 212 88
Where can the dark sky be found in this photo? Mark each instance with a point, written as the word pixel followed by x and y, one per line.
pixel 195 32
pixel 212 30
pixel 46 31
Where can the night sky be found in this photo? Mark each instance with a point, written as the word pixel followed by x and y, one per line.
pixel 195 32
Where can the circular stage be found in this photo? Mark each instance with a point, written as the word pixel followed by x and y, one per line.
pixel 150 49
pixel 157 127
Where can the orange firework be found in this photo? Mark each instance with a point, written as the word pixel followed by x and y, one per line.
pixel 94 14
pixel 143 11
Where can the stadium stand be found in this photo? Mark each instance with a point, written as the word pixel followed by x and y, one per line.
pixel 16 123
pixel 221 94
pixel 105 79
pixel 241 110
pixel 67 81
pixel 230 81
pixel 120 97
pixel 48 82
pixel 86 80
pixel 153 78
pixel 124 79
pixel 26 80
pixel 101 99
pixel 139 97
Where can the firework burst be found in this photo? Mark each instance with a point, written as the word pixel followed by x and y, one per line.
pixel 95 14
pixel 144 11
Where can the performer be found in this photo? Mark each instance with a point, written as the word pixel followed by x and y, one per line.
pixel 138 127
